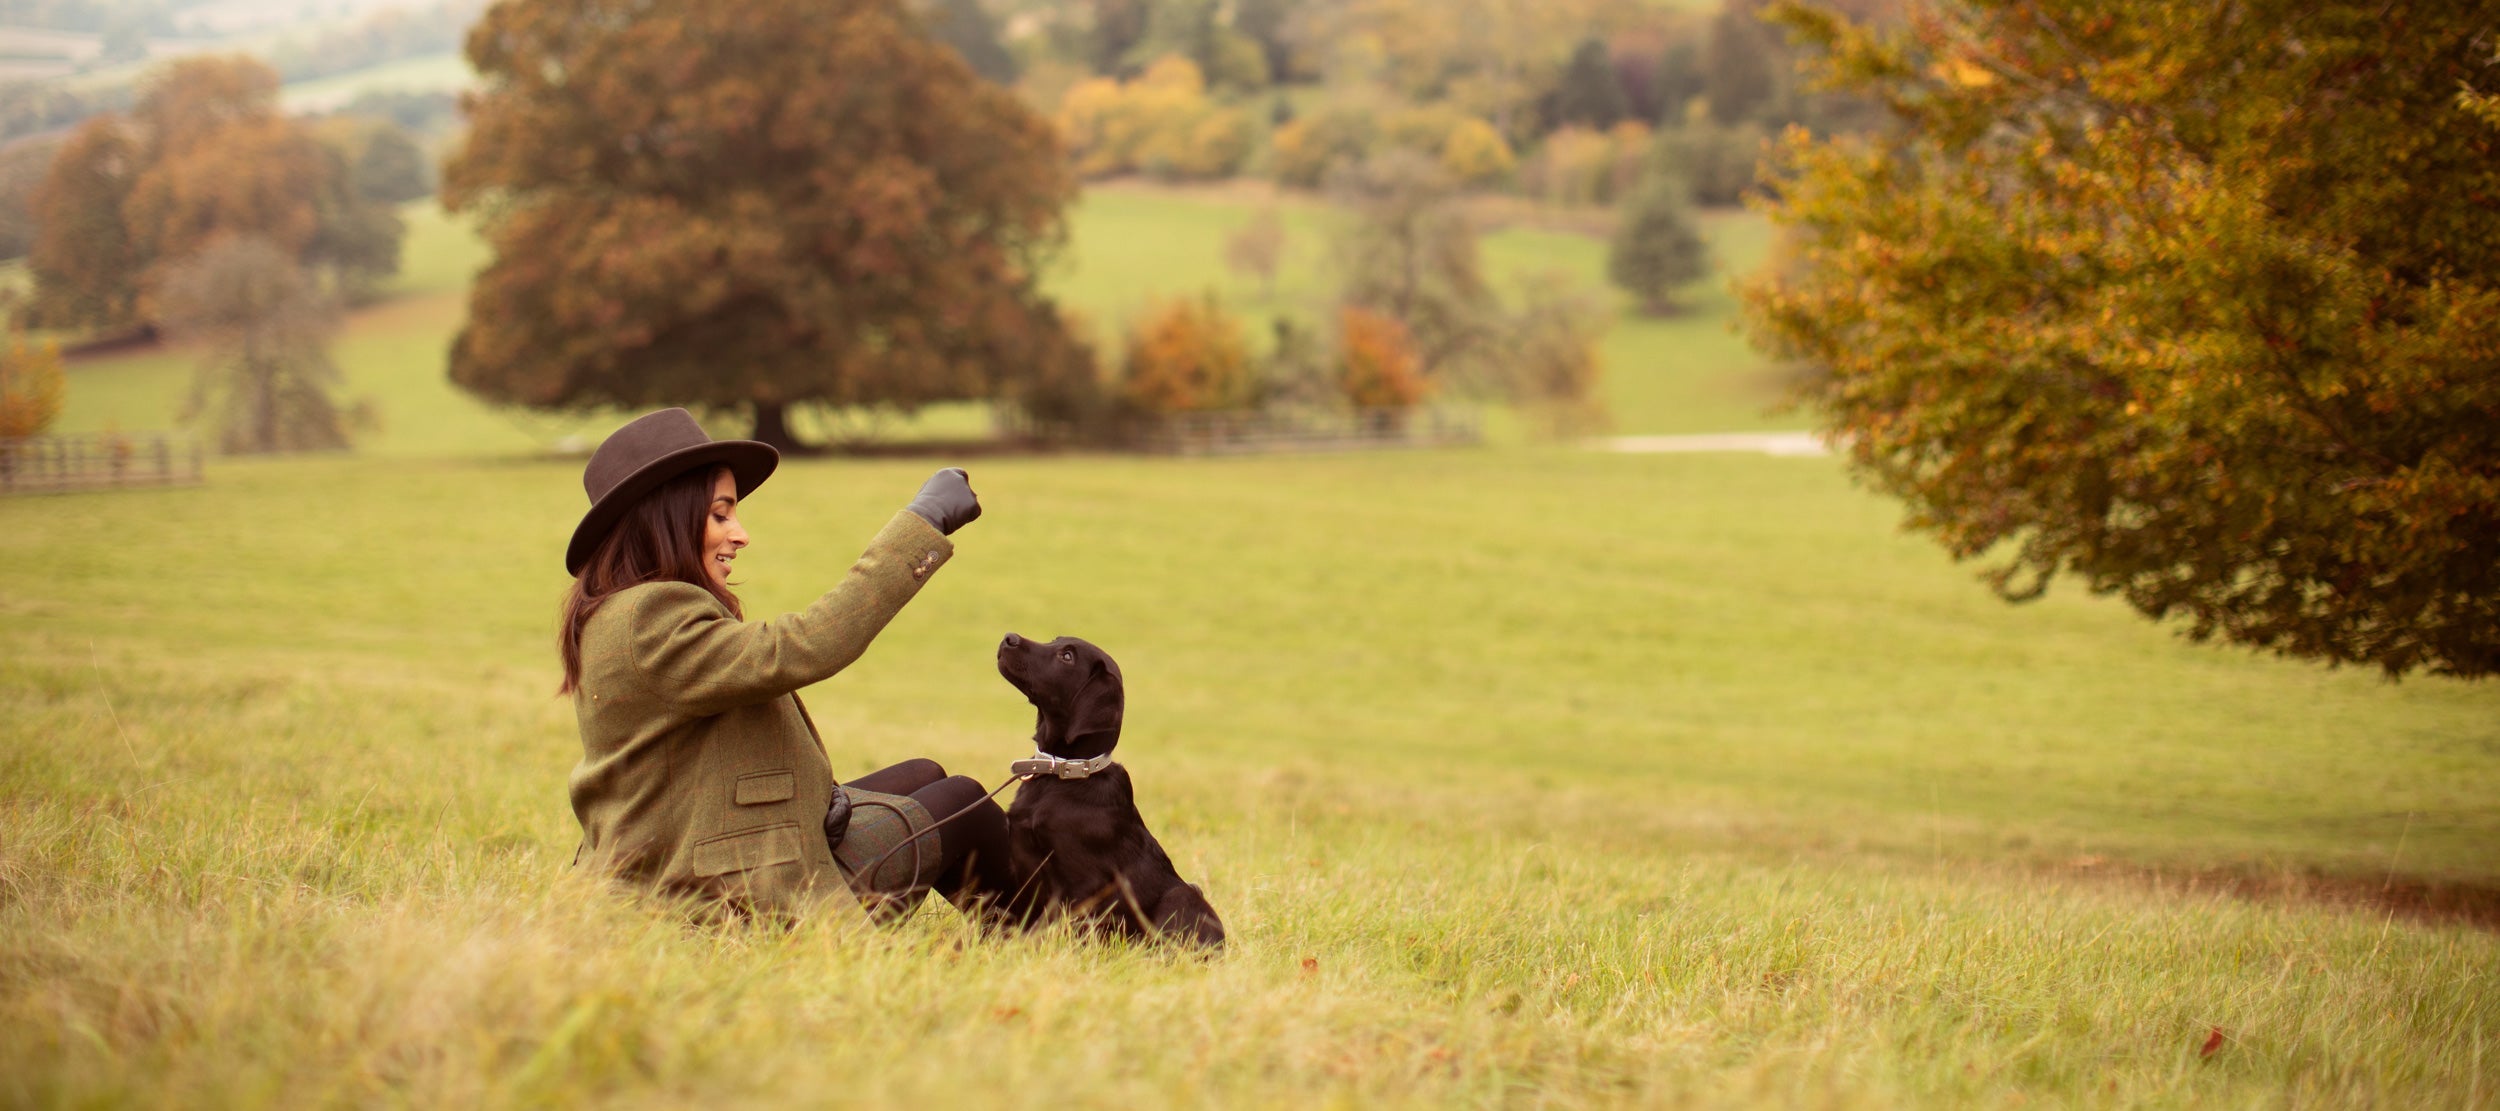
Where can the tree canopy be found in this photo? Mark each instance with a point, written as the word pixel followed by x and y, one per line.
pixel 1589 92
pixel 2198 304
pixel 265 377
pixel 749 205
pixel 23 166
pixel 85 266
pixel 205 155
pixel 1657 249
pixel 963 25
pixel 1490 58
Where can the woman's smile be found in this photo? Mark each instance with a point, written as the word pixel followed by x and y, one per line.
pixel 722 534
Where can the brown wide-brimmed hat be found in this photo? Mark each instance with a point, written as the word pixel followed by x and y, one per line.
pixel 638 458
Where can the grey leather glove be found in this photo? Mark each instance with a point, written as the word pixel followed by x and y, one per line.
pixel 947 502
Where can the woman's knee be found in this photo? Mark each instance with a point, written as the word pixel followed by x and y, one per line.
pixel 950 794
pixel 906 778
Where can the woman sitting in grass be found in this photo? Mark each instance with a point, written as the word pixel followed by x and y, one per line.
pixel 702 776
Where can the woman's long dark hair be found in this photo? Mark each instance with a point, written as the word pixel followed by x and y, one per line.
pixel 660 539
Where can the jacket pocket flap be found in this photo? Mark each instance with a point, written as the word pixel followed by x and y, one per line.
pixel 763 787
pixel 747 848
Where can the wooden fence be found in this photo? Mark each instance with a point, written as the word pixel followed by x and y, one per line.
pixel 104 461
pixel 1242 433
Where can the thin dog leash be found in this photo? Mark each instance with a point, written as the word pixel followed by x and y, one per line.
pixel 914 840
pixel 1045 765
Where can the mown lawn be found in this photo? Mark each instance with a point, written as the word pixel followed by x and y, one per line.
pixel 1522 775
pixel 391 353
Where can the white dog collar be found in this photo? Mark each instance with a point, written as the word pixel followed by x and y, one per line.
pixel 1043 763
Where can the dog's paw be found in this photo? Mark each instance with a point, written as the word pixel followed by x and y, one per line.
pixel 1185 914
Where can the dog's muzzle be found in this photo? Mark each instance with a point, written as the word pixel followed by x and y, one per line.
pixel 1060 767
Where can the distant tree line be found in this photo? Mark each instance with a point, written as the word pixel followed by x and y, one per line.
pixel 1333 82
pixel 205 154
pixel 96 16
pixel 29 108
pixel 1572 102
pixel 379 137
pixel 387 35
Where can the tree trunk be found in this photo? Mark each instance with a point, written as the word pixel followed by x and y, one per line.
pixel 772 426
pixel 263 400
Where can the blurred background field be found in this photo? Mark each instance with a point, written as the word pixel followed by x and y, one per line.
pixel 1527 773
pixel 1685 373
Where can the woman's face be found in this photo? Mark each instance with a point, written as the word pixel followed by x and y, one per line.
pixel 722 534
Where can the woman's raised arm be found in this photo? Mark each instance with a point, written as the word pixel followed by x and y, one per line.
pixel 689 651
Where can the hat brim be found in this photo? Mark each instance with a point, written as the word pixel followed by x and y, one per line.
pixel 750 462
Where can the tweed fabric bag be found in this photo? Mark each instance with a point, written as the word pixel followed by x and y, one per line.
pixel 879 823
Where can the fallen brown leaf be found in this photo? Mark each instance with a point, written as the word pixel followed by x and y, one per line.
pixel 2213 1042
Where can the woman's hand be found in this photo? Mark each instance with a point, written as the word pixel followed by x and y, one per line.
pixel 947 502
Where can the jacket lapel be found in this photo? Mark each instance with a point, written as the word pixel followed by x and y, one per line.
pixel 811 727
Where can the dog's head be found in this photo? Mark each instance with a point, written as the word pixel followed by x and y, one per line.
pixel 1075 686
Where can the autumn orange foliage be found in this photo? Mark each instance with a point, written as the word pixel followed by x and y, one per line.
pixel 30 387
pixel 1187 355
pixel 2207 321
pixel 1161 123
pixel 1377 356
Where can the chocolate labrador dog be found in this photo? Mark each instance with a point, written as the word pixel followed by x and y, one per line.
pixel 1075 842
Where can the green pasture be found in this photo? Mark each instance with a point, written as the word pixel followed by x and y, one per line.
pixel 447 71
pixel 1522 775
pixel 1126 247
pixel 1527 775
pixel 1689 372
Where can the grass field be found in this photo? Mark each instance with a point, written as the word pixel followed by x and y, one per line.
pixel 1521 775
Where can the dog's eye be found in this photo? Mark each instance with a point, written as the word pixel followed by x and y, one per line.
pixel 1067 655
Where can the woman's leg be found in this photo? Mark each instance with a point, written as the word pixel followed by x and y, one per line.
pixel 901 779
pixel 972 859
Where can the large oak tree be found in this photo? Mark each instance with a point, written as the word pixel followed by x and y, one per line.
pixel 2198 303
pixel 750 205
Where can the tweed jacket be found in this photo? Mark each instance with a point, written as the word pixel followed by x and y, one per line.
pixel 701 775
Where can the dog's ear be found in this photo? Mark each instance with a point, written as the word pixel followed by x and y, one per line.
pixel 1101 705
